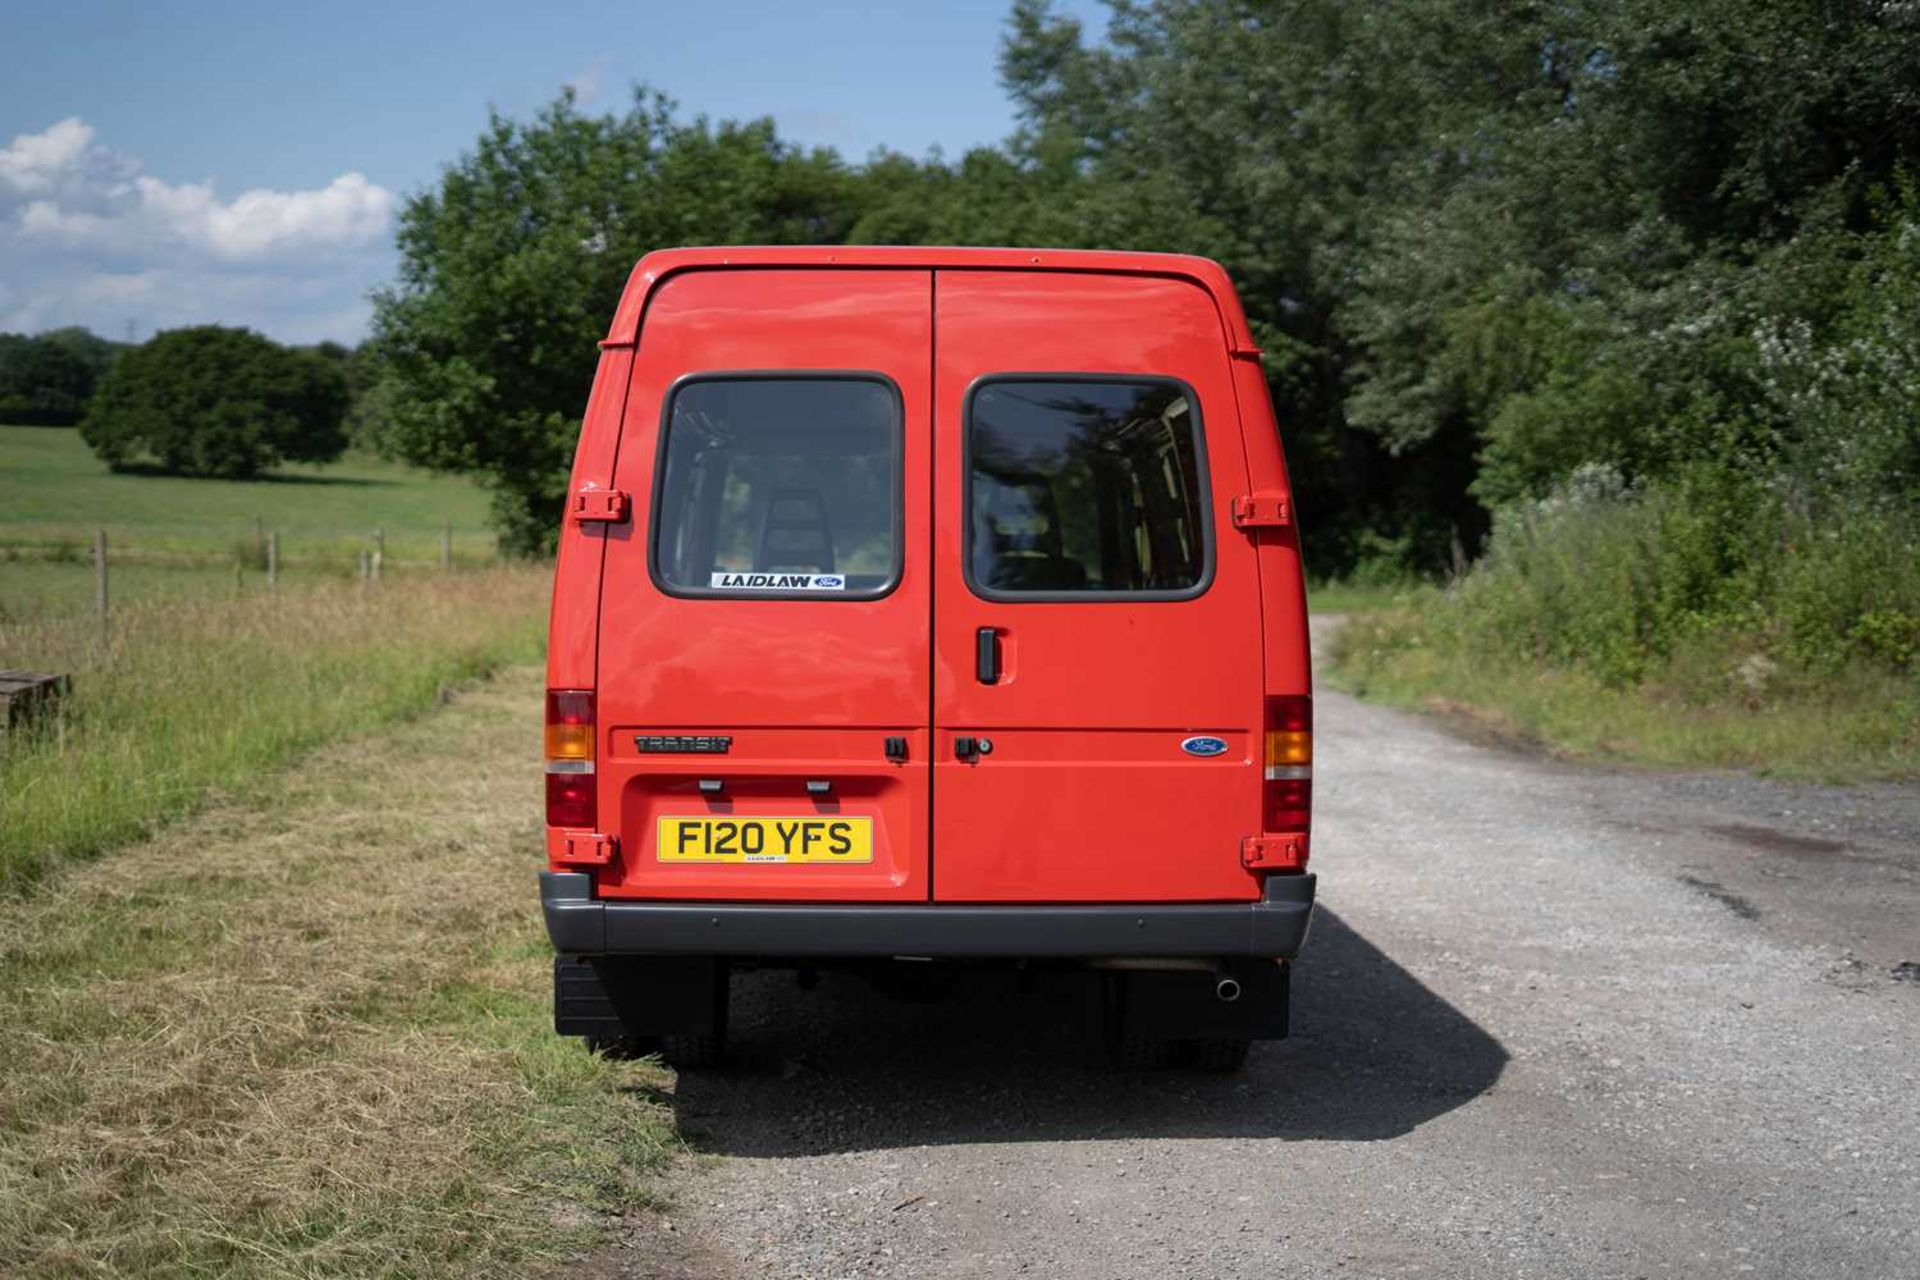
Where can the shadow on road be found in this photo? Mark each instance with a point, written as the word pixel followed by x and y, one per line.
pixel 843 1067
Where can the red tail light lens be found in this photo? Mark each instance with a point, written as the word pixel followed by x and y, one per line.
pixel 570 752
pixel 570 801
pixel 1287 794
pixel 1289 806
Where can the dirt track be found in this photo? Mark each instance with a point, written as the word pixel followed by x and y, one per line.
pixel 1552 1021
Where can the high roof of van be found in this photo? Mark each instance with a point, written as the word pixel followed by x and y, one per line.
pixel 656 267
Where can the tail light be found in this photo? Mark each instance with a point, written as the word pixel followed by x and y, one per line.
pixel 570 793
pixel 1287 792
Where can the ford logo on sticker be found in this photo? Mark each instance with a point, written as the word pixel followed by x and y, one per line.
pixel 829 581
pixel 1204 746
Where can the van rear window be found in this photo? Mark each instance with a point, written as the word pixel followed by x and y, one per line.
pixel 779 485
pixel 1087 486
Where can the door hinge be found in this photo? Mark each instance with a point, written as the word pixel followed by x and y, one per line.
pixel 588 849
pixel 1274 853
pixel 1262 511
pixel 600 506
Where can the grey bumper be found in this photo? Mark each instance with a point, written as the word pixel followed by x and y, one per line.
pixel 580 924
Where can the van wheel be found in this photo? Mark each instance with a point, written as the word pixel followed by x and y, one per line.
pixel 693 1052
pixel 1218 1053
pixel 1139 1053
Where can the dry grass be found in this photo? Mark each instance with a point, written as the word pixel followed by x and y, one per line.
pixel 191 697
pixel 310 1037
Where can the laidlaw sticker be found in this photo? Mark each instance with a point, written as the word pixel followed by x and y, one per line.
pixel 778 582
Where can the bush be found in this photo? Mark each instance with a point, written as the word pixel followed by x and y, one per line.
pixel 1617 582
pixel 1712 621
pixel 211 401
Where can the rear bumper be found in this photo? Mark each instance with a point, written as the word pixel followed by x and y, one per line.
pixel 580 924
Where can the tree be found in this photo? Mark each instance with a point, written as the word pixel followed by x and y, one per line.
pixel 1544 229
pixel 1279 138
pixel 44 381
pixel 1483 245
pixel 212 401
pixel 510 268
pixel 96 352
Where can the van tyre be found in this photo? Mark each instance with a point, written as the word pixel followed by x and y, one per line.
pixel 1217 1053
pixel 1132 1052
pixel 694 1052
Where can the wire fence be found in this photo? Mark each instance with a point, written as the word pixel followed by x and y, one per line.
pixel 49 576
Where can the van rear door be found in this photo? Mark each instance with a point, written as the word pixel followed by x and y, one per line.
pixel 764 647
pixel 1097 664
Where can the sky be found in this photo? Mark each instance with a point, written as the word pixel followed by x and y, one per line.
pixel 165 163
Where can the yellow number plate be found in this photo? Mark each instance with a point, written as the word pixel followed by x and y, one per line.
pixel 705 839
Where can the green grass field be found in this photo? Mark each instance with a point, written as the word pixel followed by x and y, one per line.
pixel 202 680
pixel 54 493
pixel 175 538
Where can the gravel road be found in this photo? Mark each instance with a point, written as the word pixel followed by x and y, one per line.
pixel 1552 1021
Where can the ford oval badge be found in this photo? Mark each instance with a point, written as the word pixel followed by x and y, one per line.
pixel 1204 746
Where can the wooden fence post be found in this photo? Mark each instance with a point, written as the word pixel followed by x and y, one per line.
pixel 100 576
pixel 273 561
pixel 379 552
pixel 366 557
pixel 446 546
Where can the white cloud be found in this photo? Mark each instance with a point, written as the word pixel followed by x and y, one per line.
pixel 33 162
pixel 121 215
pixel 348 210
pixel 87 238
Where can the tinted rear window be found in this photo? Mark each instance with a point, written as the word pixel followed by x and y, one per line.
pixel 1085 485
pixel 779 485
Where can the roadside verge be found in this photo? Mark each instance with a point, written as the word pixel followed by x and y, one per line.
pixel 177 700
pixel 308 1034
pixel 1733 710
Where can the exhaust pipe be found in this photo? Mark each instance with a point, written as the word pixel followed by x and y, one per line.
pixel 1226 990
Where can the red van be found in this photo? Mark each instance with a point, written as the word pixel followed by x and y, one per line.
pixel 929 604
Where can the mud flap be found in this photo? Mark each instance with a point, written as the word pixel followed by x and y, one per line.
pixel 639 996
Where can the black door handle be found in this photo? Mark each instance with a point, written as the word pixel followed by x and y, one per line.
pixel 986 655
pixel 971 749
